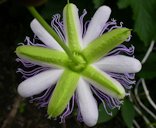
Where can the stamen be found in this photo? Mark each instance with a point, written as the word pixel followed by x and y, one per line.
pixel 129 38
pixel 109 100
pixel 25 63
pixel 116 103
pixel 122 49
pixel 121 77
pixel 44 97
pixel 34 43
pixel 82 18
pixel 85 27
pixel 68 110
pixel 127 94
pixel 127 86
pixel 104 105
pixel 58 26
pixel 27 74
pixel 107 25
pixel 79 116
pixel 116 26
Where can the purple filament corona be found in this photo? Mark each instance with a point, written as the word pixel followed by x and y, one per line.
pixel 126 79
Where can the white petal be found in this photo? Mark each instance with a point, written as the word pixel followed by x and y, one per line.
pixel 87 103
pixel 97 23
pixel 43 35
pixel 119 64
pixel 38 83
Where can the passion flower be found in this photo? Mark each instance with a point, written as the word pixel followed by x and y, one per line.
pixel 99 65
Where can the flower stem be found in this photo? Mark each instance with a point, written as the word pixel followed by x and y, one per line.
pixel 34 12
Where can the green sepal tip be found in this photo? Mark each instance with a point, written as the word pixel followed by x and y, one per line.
pixel 105 43
pixel 42 55
pixel 104 82
pixel 62 93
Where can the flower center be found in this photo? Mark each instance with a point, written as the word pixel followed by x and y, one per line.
pixel 80 63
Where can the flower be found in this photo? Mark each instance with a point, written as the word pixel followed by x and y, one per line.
pixel 100 65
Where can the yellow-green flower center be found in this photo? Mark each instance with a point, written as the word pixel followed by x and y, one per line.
pixel 80 63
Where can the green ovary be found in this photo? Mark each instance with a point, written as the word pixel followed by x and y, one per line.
pixel 80 63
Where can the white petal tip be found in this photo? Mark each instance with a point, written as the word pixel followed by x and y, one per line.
pixel 137 66
pixel 87 103
pixel 35 26
pixel 96 24
pixel 38 83
pixel 21 91
pixel 92 121
pixel 105 9
pixel 119 64
pixel 33 23
pixel 43 35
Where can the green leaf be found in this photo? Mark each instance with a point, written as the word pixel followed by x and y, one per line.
pixel 103 116
pixel 22 107
pixel 143 16
pixel 148 69
pixel 97 3
pixel 147 74
pixel 123 3
pixel 128 113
